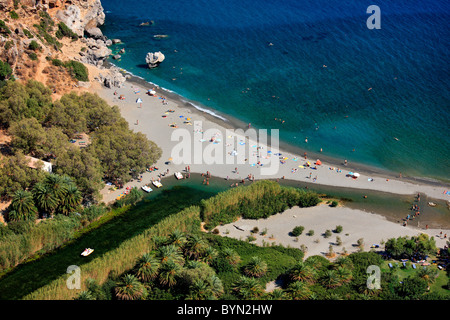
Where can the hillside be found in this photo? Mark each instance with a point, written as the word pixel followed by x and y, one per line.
pixel 36 36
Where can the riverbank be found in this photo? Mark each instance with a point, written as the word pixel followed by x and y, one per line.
pixel 356 224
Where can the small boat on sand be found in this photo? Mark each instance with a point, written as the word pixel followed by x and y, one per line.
pixel 178 175
pixel 87 252
pixel 157 184
pixel 432 204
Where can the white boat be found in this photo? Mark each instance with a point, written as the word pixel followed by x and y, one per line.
pixel 146 188
pixel 87 252
pixel 178 175
pixel 157 184
pixel 432 204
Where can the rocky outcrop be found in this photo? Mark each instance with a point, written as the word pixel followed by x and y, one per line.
pixel 82 16
pixel 112 78
pixel 97 52
pixel 153 59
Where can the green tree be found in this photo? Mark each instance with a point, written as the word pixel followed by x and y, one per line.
pixel 5 70
pixel 22 207
pixel 44 198
pixel 247 288
pixel 298 290
pixel 129 288
pixel 168 273
pixel 256 267
pixel 195 246
pixel 70 201
pixel 170 253
pixel 147 267
pixel 302 272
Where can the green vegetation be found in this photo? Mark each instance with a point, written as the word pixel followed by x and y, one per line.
pixel 5 70
pixel 65 31
pixel 34 45
pixel 298 230
pixel 260 200
pixel 411 247
pixel 4 30
pixel 33 56
pixel 13 15
pixel 43 129
pixel 77 70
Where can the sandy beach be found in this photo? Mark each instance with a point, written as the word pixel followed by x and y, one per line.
pixel 152 118
pixel 374 229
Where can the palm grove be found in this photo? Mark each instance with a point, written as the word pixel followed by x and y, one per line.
pixel 45 130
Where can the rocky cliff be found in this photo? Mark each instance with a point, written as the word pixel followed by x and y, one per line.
pixel 36 35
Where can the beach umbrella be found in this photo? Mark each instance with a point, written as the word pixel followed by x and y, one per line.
pixel 139 100
pixel 152 92
pixel 356 175
pixel 318 162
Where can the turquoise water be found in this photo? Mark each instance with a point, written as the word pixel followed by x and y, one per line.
pixel 377 85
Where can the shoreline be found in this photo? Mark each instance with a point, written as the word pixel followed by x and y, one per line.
pixel 232 123
pixel 153 109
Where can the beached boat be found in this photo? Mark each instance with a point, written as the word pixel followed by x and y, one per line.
pixel 157 184
pixel 87 252
pixel 178 175
pixel 432 204
pixel 146 188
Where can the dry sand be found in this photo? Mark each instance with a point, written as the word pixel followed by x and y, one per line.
pixel 356 224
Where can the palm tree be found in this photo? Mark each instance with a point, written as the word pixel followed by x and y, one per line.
pixel 85 295
pixel 231 256
pixel 22 206
pixel 200 290
pixel 146 268
pixel 344 274
pixel 129 288
pixel 216 286
pixel 44 198
pixel 331 279
pixel 168 272
pixel 57 184
pixel 299 290
pixel 71 200
pixel 247 288
pixel 277 294
pixel 209 255
pixel 303 272
pixel 256 267
pixel 427 274
pixel 343 262
pixel 195 246
pixel 177 238
pixel 170 252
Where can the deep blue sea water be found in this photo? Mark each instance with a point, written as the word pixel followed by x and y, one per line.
pixel 377 84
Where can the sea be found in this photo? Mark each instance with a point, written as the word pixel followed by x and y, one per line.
pixel 312 69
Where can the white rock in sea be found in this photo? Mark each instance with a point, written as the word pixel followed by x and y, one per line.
pixel 153 59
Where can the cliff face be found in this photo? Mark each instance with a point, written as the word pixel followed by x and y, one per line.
pixel 26 23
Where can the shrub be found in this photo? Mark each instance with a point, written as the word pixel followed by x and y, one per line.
pixel 334 203
pixel 297 231
pixel 4 28
pixel 327 234
pixel 34 45
pixel 310 233
pixel 338 229
pixel 33 56
pixel 57 62
pixel 14 15
pixel 27 33
pixel 77 70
